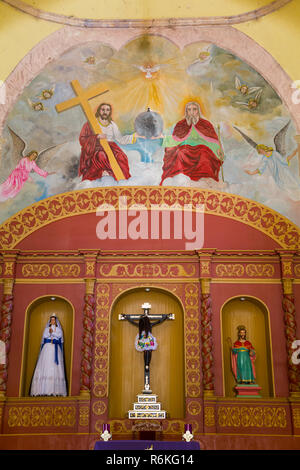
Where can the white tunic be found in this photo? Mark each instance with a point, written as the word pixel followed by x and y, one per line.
pixel 113 133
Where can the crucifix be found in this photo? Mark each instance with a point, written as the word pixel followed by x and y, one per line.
pixel 145 341
pixel 82 98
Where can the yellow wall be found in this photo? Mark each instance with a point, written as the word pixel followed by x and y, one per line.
pixel 278 33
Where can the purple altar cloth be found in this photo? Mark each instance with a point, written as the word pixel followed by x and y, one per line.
pixel 143 445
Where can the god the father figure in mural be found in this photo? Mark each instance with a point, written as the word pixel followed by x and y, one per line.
pixel 193 148
pixel 94 162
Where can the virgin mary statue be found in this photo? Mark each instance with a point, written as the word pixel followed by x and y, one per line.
pixel 49 375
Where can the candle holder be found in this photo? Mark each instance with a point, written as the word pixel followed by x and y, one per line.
pixel 187 436
pixel 106 435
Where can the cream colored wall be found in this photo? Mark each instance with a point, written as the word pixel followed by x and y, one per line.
pixel 278 33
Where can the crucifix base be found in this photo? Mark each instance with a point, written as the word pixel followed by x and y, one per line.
pixel 147 407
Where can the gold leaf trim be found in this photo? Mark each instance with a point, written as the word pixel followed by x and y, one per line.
pixel 79 202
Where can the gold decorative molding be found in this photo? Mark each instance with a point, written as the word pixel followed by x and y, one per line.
pixel 297 270
pixel 84 395
pixel 256 215
pixel 66 270
pixel 287 285
pixel 205 285
pixel 176 426
pixel 89 286
pixel 49 280
pixel 209 416
pixel 36 270
pixel 248 416
pixel 84 415
pixel 204 267
pixel 8 285
pixel 146 270
pixel 99 408
pixel 296 417
pixel 194 408
pixel 245 280
pixel 45 270
pixel 9 268
pixel 101 345
pixel 257 270
pixel 192 340
pixel 287 268
pixel 90 268
pixel 141 23
pixel 35 416
pixel 230 270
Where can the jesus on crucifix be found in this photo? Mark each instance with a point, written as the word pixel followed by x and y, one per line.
pixel 145 341
pixel 94 161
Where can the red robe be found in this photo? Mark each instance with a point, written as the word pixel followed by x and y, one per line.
pixel 93 159
pixel 194 161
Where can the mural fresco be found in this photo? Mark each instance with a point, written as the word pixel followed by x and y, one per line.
pixel 154 115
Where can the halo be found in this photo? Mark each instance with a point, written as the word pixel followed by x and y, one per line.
pixel 189 99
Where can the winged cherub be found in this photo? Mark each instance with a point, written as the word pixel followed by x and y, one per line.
pixel 251 103
pixel 37 106
pixel 25 163
pixel 204 57
pixel 47 94
pixel 244 89
pixel 276 162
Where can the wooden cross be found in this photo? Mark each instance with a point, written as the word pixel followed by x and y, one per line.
pixel 82 97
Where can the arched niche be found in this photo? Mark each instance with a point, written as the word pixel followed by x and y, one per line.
pixel 37 315
pixel 127 365
pixel 254 315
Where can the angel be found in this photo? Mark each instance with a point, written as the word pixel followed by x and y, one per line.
pixel 204 57
pixel 276 162
pixel 46 94
pixel 91 60
pixel 24 165
pixel 38 106
pixel 252 103
pixel 244 89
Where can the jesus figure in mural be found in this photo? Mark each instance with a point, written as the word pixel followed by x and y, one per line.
pixel 94 162
pixel 193 148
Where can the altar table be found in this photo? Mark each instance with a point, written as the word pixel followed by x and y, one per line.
pixel 147 445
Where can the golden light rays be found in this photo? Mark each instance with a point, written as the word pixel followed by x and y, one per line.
pixel 148 72
pixel 152 72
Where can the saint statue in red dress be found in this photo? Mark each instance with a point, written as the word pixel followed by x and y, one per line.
pixel 193 148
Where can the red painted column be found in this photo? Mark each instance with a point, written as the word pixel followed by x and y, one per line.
pixel 206 323
pixel 88 324
pixel 209 399
pixel 289 311
pixel 9 263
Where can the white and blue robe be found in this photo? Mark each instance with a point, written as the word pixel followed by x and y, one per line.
pixel 49 375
